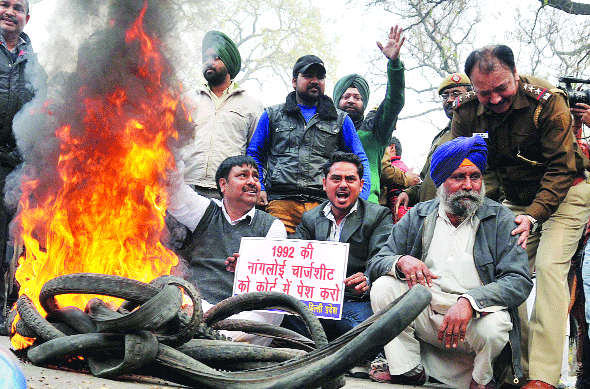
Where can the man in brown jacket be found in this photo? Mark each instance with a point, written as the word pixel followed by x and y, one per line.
pixel 526 123
pixel 451 87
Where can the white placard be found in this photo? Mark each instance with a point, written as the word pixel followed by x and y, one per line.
pixel 309 270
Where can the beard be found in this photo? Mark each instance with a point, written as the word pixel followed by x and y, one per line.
pixel 217 77
pixel 461 203
pixel 354 113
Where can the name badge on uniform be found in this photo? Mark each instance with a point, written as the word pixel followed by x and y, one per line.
pixel 484 135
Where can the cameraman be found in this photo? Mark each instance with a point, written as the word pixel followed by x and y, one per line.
pixel 581 112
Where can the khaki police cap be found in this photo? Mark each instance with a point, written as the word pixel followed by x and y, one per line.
pixel 454 79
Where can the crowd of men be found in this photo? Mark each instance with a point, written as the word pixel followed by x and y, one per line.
pixel 502 199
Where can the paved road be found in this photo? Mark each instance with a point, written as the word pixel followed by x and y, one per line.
pixel 44 378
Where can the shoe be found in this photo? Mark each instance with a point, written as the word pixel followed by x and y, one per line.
pixel 536 384
pixel 360 372
pixel 384 377
pixel 475 385
pixel 380 363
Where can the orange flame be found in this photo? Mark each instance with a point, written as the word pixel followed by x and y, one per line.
pixel 106 212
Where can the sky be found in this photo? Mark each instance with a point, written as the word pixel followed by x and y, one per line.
pixel 357 29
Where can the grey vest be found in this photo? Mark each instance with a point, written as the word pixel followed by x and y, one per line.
pixel 299 150
pixel 212 241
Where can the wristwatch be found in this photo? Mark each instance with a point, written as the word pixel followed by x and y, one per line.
pixel 534 223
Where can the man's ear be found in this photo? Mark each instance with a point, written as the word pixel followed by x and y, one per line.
pixel 222 184
pixel 324 183
pixel 27 18
pixel 294 82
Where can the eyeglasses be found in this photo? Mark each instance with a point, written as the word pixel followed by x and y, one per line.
pixel 445 95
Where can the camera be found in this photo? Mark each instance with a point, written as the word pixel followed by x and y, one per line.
pixel 575 96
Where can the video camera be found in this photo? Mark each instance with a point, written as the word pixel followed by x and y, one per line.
pixel 575 96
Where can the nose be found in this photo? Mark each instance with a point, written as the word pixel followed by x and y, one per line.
pixel 467 183
pixel 495 98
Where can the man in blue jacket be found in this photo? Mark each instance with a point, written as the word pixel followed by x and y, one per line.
pixel 294 139
pixel 460 246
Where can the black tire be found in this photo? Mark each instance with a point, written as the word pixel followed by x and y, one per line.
pixel 277 333
pixel 75 345
pixel 91 283
pixel 214 350
pixel 151 315
pixel 319 367
pixel 73 317
pixel 35 321
pixel 267 300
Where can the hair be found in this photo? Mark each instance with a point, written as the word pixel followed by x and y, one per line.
pixel 228 163
pixel 484 59
pixel 398 146
pixel 340 156
pixel 28 4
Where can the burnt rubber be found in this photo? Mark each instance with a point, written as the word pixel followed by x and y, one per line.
pixel 206 350
pixel 316 368
pixel 267 330
pixel 33 319
pixel 267 300
pixel 91 283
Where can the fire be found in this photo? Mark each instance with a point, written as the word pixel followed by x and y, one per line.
pixel 105 214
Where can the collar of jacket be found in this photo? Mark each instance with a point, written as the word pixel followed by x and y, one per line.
pixel 326 109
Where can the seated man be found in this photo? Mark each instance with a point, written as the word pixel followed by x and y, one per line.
pixel 460 246
pixel 347 218
pixel 215 229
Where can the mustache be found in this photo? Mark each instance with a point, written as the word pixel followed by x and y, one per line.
pixel 10 18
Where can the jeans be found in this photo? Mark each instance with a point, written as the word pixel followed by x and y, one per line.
pixel 353 313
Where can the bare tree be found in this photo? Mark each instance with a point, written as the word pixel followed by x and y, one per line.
pixel 571 7
pixel 552 43
pixel 440 35
pixel 270 34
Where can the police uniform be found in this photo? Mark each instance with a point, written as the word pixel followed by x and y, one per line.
pixel 541 169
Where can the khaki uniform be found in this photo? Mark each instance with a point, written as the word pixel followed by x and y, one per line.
pixel 533 153
pixel 426 190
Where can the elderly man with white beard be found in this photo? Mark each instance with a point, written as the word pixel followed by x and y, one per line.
pixel 460 246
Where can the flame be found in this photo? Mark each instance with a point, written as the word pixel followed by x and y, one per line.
pixel 106 212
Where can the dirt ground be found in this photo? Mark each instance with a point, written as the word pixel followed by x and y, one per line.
pixel 45 378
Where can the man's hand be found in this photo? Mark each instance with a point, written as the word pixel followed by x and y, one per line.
pixel 394 43
pixel 412 178
pixel 402 201
pixel 454 325
pixel 230 262
pixel 582 111
pixel 263 200
pixel 357 283
pixel 415 271
pixel 524 228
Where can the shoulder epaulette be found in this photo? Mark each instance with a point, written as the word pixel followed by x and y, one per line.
pixel 464 98
pixel 538 92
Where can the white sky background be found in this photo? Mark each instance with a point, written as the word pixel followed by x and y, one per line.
pixel 357 30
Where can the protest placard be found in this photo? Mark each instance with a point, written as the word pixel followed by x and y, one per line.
pixel 310 270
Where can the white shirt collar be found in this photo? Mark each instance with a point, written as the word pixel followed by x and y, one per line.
pixel 248 216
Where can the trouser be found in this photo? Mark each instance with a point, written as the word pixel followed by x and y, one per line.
pixel 550 252
pixel 290 212
pixel 353 313
pixel 485 336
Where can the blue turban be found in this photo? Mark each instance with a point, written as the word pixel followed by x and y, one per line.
pixel 449 156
